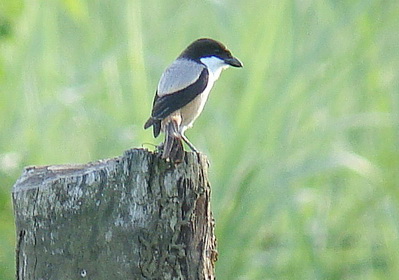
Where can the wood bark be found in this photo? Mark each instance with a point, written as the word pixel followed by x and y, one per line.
pixel 132 217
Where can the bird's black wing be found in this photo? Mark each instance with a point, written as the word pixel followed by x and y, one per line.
pixel 154 122
pixel 168 103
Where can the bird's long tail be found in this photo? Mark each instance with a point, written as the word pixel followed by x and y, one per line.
pixel 173 146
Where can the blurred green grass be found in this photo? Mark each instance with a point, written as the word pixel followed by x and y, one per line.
pixel 303 141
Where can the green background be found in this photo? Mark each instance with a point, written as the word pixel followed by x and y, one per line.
pixel 303 141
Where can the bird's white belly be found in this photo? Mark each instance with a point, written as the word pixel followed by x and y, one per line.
pixel 192 110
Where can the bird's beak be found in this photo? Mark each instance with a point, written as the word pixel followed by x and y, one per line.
pixel 233 62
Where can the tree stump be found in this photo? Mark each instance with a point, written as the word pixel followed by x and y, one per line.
pixel 131 217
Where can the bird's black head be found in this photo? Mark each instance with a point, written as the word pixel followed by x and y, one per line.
pixel 205 47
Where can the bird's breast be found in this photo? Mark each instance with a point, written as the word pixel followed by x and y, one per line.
pixel 192 110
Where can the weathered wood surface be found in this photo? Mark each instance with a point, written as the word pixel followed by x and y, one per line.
pixel 131 217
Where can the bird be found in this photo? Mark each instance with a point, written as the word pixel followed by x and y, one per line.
pixel 183 90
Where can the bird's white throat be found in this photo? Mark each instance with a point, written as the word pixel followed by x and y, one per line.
pixel 215 66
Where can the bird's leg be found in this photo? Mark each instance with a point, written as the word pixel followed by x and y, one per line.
pixel 188 143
